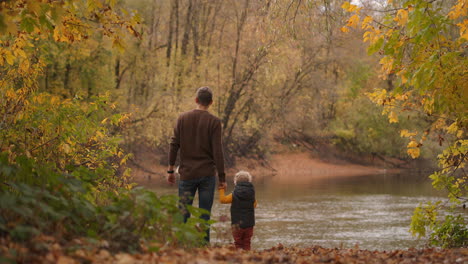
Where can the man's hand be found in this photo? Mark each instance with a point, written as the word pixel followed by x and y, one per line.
pixel 170 174
pixel 171 178
pixel 222 185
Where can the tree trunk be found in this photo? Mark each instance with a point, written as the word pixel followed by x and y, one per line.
pixel 188 21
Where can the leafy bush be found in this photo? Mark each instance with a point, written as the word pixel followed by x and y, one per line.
pixel 450 233
pixel 62 174
pixel 453 232
pixel 63 208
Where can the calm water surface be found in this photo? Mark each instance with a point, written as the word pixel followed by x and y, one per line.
pixel 373 212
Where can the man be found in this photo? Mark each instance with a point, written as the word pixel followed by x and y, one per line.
pixel 197 135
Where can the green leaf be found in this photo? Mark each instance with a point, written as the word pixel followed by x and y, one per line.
pixel 44 21
pixel 23 232
pixel 28 24
pixel 375 47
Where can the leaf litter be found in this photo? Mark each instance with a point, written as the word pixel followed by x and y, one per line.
pixel 46 250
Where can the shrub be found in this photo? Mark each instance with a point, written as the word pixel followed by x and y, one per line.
pixel 450 233
pixel 63 208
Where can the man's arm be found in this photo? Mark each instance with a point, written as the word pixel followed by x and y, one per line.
pixel 173 149
pixel 218 153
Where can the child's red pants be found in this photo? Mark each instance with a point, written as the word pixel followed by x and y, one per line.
pixel 242 237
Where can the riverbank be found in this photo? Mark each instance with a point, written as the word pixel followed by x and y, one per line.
pixel 279 168
pixel 228 254
pixel 306 168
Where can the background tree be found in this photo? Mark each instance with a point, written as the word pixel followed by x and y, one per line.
pixel 279 71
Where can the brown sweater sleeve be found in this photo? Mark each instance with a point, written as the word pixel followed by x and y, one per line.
pixel 218 153
pixel 175 144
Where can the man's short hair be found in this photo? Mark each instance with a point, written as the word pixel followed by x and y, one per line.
pixel 204 95
pixel 242 176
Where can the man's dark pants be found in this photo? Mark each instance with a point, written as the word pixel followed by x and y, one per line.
pixel 206 188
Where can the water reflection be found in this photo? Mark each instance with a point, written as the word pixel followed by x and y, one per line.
pixel 371 211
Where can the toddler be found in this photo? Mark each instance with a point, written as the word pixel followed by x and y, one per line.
pixel 243 202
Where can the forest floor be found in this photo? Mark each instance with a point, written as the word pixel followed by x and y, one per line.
pixel 52 252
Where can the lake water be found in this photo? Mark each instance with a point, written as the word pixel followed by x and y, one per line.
pixel 373 212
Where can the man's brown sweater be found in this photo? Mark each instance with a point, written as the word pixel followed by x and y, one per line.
pixel 197 135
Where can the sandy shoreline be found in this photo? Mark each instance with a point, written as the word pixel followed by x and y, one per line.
pixel 304 168
pixel 295 168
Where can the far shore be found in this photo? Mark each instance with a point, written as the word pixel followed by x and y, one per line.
pixel 294 168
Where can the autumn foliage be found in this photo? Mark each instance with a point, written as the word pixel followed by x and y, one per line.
pixel 61 165
pixel 423 44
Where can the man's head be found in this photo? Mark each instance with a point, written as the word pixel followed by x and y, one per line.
pixel 242 176
pixel 204 96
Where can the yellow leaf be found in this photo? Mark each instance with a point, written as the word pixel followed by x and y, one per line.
pixel 458 10
pixel 123 118
pixel 366 36
pixel 464 35
pixel 460 133
pixel 392 117
pixel 401 17
pixel 345 5
pixel 353 21
pixel 350 7
pixel 414 152
pixel 56 34
pixel 463 29
pixel 375 36
pixel 387 64
pixel 403 79
pixel 24 65
pixel 452 128
pixel 406 133
pixel 344 29
pixel 366 21
pixel 21 53
pixel 402 76
pixel 99 134
pixel 412 144
pixel 9 57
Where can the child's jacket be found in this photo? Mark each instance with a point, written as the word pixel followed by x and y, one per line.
pixel 243 204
